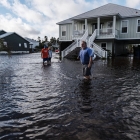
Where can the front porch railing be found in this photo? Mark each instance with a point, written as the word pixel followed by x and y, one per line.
pixel 107 32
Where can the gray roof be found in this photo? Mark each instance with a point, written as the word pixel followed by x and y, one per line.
pixel 10 33
pixel 6 34
pixel 31 40
pixel 104 11
pixel 2 30
pixel 65 21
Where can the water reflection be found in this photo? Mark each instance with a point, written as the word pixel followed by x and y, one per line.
pixel 56 103
pixel 84 95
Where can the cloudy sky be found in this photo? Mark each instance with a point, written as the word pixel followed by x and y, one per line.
pixel 38 18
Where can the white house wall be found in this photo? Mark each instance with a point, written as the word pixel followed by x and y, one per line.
pixel 68 36
pixel 131 34
pixel 132 29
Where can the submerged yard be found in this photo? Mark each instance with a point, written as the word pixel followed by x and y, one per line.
pixel 56 103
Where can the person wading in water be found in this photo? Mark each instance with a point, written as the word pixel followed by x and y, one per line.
pixel 86 55
pixel 45 54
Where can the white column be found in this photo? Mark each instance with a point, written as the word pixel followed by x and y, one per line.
pixel 72 29
pixel 114 25
pixel 85 24
pixel 98 25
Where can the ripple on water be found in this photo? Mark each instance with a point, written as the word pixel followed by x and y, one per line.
pixel 54 102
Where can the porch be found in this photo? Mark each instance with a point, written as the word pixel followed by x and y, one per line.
pixel 105 27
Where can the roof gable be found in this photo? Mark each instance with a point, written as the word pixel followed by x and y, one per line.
pixel 10 33
pixel 2 32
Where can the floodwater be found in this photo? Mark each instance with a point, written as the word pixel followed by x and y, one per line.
pixel 56 103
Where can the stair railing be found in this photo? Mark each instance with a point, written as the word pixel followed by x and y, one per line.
pixel 92 38
pixel 99 51
pixel 76 43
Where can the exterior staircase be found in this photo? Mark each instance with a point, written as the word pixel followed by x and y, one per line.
pixel 72 50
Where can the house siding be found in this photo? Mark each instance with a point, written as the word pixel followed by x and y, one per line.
pixel 13 41
pixel 131 34
pixel 68 36
pixel 132 29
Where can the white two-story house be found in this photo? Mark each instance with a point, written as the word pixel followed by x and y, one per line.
pixel 109 28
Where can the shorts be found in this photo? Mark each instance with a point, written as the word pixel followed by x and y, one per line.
pixel 86 70
pixel 45 59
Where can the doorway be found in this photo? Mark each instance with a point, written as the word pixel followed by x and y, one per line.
pixel 94 26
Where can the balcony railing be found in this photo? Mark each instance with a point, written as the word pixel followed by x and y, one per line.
pixel 107 32
pixel 78 34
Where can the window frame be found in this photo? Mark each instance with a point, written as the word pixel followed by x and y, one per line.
pixel 137 26
pixel 25 45
pixel 83 28
pixel 127 27
pixel 75 27
pixel 104 43
pixel 108 24
pixel 63 29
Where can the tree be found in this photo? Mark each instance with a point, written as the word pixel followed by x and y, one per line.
pixel 52 40
pixel 39 39
pixel 46 39
pixel 4 47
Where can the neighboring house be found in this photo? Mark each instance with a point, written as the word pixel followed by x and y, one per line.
pixel 110 27
pixel 15 42
pixel 33 43
pixel 2 32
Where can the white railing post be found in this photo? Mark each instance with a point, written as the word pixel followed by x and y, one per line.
pixel 75 44
pixel 92 38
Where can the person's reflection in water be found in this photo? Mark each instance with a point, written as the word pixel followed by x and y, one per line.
pixel 84 96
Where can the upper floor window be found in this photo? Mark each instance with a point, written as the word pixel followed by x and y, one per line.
pixel 63 30
pixel 138 25
pixel 75 27
pixel 83 27
pixel 124 26
pixel 110 24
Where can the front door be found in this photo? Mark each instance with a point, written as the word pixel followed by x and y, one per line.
pixel 94 26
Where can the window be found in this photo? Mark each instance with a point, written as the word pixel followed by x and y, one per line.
pixel 19 44
pixel 103 45
pixel 124 26
pixel 63 30
pixel 5 44
pixel 25 45
pixel 138 25
pixel 75 27
pixel 110 24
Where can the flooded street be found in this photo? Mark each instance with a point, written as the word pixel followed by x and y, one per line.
pixel 56 103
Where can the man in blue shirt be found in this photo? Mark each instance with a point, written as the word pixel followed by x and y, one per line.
pixel 86 59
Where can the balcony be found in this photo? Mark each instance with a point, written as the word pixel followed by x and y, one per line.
pixel 107 33
pixel 78 34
